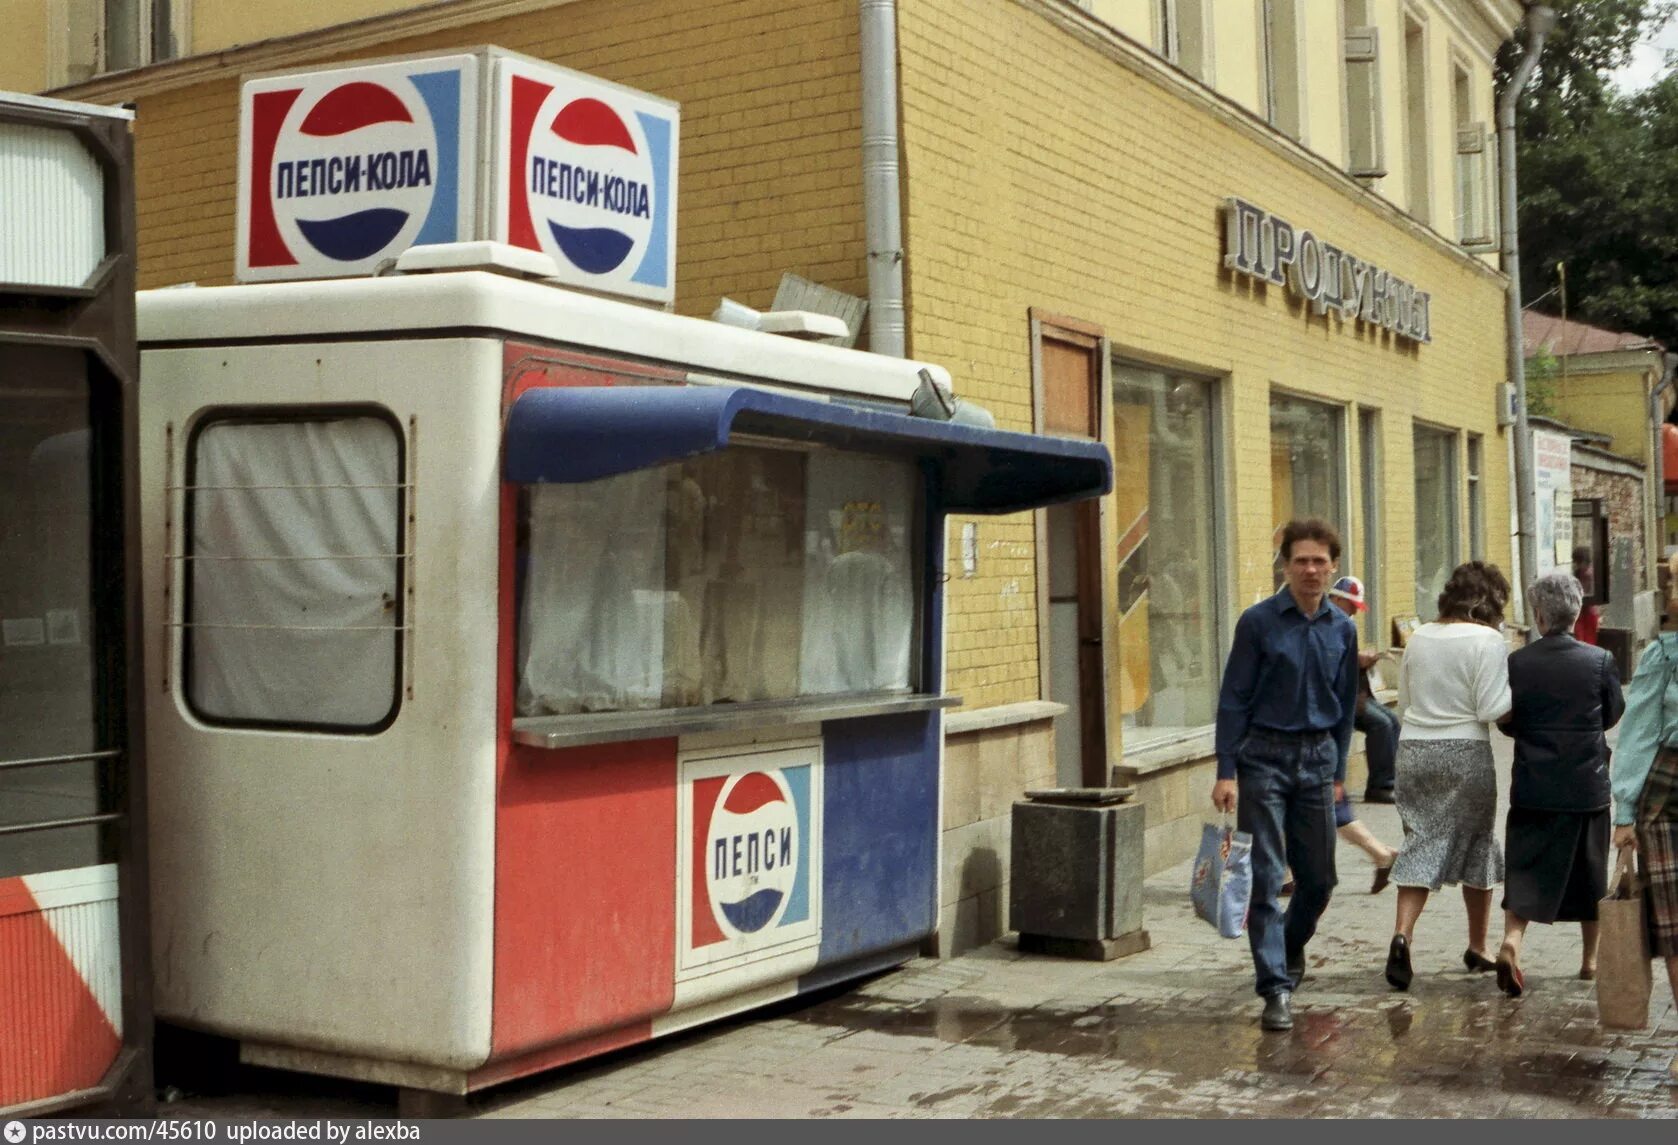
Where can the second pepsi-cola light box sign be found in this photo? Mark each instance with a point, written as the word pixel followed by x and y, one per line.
pixel 341 170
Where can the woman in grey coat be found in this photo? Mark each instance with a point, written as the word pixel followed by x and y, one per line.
pixel 1565 694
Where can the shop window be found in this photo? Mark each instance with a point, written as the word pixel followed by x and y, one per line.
pixel 1473 173
pixel 1416 167
pixel 1437 545
pixel 1373 489
pixel 1361 43
pixel 99 36
pixel 1476 500
pixel 1307 461
pixel 1165 490
pixel 294 570
pixel 752 574
pixel 1280 65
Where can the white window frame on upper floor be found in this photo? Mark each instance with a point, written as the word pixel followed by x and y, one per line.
pixel 1287 115
pixel 77 43
pixel 1363 124
pixel 1183 34
pixel 1474 161
pixel 1418 176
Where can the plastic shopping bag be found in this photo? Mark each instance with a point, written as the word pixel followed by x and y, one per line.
pixel 1623 977
pixel 1221 886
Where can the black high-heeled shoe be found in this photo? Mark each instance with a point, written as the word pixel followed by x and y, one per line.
pixel 1399 973
pixel 1476 962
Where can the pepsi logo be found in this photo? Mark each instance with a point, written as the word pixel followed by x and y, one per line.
pixel 589 183
pixel 752 853
pixel 354 169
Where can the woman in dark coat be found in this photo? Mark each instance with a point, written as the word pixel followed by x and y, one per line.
pixel 1565 694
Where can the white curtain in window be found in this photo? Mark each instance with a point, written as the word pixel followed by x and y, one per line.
pixel 859 596
pixel 592 621
pixel 292 574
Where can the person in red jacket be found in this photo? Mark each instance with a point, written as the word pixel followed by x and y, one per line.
pixel 1590 616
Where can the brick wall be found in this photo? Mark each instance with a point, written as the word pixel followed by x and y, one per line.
pixel 1622 497
pixel 1044 173
pixel 771 169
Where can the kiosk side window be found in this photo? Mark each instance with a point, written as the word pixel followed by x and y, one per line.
pixel 293 610
pixel 751 574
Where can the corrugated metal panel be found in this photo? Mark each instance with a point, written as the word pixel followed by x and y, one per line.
pixel 52 207
pixel 60 991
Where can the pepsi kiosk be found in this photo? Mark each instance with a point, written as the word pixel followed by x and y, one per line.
pixel 531 673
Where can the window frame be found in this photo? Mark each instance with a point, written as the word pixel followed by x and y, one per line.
pixel 65 61
pixel 1287 115
pixel 1368 129
pixel 922 652
pixel 1453 483
pixel 1220 479
pixel 1474 519
pixel 290 415
pixel 1342 464
pixel 1417 116
pixel 1371 461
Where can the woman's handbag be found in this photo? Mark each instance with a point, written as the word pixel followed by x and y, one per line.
pixel 1623 977
pixel 1221 886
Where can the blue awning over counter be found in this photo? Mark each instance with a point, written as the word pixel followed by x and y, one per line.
pixel 584 433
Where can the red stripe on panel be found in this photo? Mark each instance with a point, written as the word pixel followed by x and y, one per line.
pixel 585 862
pixel 268 112
pixel 526 101
pixel 705 928
pixel 54 1038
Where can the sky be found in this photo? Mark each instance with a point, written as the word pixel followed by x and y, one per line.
pixel 1648 60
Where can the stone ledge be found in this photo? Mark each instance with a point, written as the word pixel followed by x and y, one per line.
pixel 1145 761
pixel 1195 748
pixel 1001 716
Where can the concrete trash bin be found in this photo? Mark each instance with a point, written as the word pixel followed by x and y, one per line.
pixel 1075 882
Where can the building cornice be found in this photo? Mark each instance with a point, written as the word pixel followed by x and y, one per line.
pixel 1140 60
pixel 300 48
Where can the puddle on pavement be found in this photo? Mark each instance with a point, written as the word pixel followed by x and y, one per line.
pixel 1448 1043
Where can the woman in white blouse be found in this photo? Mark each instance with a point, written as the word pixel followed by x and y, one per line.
pixel 1454 681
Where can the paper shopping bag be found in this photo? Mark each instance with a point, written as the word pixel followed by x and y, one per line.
pixel 1623 977
pixel 1221 883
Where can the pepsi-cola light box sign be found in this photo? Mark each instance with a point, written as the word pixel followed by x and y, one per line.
pixel 342 170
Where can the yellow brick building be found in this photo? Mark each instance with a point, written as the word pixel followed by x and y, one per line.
pixel 1067 172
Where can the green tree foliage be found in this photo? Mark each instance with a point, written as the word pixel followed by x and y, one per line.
pixel 1599 172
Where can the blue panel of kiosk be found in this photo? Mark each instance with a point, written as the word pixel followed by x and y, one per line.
pixel 879 833
pixel 584 433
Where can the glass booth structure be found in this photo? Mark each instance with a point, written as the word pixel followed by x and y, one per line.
pixel 75 1027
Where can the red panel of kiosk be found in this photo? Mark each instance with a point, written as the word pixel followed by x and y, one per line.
pixel 585 838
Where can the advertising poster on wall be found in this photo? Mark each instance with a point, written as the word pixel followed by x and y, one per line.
pixel 1552 459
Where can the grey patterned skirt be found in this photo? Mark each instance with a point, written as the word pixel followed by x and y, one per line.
pixel 1447 799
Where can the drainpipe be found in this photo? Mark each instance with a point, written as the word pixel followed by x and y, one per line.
pixel 1657 467
pixel 881 194
pixel 1540 19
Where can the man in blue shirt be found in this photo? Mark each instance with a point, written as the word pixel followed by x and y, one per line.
pixel 1290 691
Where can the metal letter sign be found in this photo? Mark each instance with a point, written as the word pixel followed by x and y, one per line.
pixel 1266 248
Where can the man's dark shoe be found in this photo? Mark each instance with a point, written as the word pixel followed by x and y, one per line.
pixel 1278 1011
pixel 1378 795
pixel 1398 963
pixel 1296 966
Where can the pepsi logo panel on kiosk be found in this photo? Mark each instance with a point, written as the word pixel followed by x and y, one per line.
pixel 588 177
pixel 344 169
pixel 750 856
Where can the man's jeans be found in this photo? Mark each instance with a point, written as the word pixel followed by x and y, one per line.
pixel 1285 800
pixel 1380 740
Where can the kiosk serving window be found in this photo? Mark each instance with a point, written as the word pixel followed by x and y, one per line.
pixel 293 570
pixel 754 573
